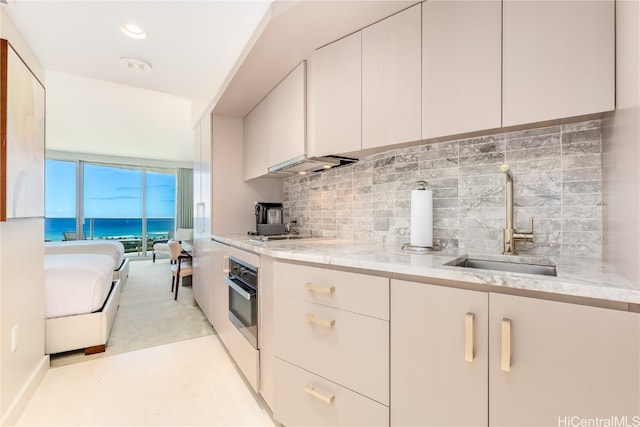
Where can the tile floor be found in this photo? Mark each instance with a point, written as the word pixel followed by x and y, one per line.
pixel 187 383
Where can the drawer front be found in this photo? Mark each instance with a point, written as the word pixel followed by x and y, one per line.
pixel 360 293
pixel 246 357
pixel 348 348
pixel 245 256
pixel 302 398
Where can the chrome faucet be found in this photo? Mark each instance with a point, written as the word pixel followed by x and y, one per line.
pixel 511 235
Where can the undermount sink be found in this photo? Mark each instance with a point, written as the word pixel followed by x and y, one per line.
pixel 545 269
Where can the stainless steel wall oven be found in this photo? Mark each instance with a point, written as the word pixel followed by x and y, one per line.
pixel 242 282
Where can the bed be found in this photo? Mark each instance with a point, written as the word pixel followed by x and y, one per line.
pixel 113 248
pixel 83 283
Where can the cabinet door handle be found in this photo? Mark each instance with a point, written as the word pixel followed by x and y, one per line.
pixel 318 288
pixel 311 390
pixel 506 345
pixel 200 217
pixel 324 322
pixel 225 264
pixel 468 337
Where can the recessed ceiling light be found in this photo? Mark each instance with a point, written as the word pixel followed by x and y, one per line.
pixel 133 31
pixel 135 65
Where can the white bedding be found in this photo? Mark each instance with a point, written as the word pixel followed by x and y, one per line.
pixel 113 248
pixel 76 283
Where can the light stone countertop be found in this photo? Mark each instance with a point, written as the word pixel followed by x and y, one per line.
pixel 576 276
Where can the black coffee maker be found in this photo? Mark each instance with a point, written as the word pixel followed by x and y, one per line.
pixel 269 219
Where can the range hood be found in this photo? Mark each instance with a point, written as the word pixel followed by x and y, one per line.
pixel 303 164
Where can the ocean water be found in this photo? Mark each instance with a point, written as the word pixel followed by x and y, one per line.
pixel 157 228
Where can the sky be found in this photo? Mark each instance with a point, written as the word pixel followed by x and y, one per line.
pixel 110 192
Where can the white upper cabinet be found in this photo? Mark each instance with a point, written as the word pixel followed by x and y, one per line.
pixel 275 130
pixel 202 165
pixel 335 80
pixel 286 117
pixel 197 164
pixel 558 59
pixel 437 69
pixel 391 79
pixel 461 67
pixel 254 142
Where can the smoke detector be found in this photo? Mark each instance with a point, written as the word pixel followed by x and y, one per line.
pixel 135 65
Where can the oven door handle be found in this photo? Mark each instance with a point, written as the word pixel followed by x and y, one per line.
pixel 246 295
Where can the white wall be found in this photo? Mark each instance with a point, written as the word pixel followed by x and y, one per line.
pixel 22 306
pixel 10 32
pixel 95 116
pixel 621 150
pixel 21 287
pixel 233 198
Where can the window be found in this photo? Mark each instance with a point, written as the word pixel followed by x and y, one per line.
pixel 132 204
pixel 60 195
pixel 160 206
pixel 112 203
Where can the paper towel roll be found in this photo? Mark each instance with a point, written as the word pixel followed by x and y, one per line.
pixel 421 218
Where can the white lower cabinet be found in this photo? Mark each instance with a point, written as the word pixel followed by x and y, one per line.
pixel 439 355
pixel 306 399
pixel 462 357
pixel 561 364
pixel 201 280
pixel 345 347
pixel 219 295
pixel 324 345
pixel 265 338
pixel 246 357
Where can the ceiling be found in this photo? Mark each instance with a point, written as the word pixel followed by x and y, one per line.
pixel 202 52
pixel 191 46
pixel 294 31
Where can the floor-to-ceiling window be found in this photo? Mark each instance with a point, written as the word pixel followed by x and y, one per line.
pixel 160 203
pixel 60 211
pixel 132 204
pixel 112 204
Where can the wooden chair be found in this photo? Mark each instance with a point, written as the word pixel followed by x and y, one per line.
pixel 180 265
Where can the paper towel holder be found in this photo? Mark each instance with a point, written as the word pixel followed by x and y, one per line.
pixel 407 247
pixel 419 249
pixel 422 185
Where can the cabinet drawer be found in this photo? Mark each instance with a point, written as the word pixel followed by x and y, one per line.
pixel 348 348
pixel 246 357
pixel 245 256
pixel 302 398
pixel 355 292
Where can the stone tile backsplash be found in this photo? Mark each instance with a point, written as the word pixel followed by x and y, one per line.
pixel 557 174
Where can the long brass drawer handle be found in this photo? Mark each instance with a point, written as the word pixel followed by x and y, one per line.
pixel 317 288
pixel 468 337
pixel 506 345
pixel 311 390
pixel 324 322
